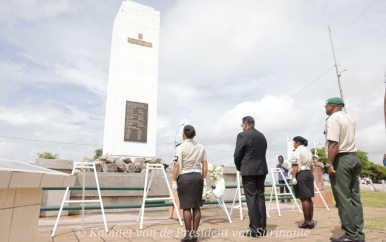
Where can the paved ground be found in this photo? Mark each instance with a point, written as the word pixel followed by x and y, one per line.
pixel 214 227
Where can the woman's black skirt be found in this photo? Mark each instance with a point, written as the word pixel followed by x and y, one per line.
pixel 190 186
pixel 305 186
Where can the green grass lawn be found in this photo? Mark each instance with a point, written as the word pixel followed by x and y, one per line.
pixel 377 223
pixel 373 199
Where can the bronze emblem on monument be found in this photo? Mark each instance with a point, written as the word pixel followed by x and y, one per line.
pixel 139 41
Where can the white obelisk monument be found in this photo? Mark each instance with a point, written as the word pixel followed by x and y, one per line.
pixel 131 104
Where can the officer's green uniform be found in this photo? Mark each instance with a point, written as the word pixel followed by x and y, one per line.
pixel 340 127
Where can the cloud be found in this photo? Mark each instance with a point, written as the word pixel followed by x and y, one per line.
pixel 214 36
pixel 70 47
pixel 67 131
pixel 11 75
pixel 223 60
pixel 91 80
pixel 27 10
pixel 261 110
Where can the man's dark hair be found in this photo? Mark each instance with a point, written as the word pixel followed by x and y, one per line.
pixel 280 156
pixel 249 121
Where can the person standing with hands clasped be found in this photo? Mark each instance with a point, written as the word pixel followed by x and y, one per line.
pixel 344 166
pixel 249 158
pixel 189 174
pixel 284 167
pixel 303 180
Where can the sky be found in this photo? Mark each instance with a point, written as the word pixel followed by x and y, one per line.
pixel 218 62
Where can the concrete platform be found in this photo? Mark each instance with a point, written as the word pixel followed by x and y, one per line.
pixel 214 226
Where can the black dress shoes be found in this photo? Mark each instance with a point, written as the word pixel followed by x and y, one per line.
pixel 310 225
pixel 250 234
pixel 189 239
pixel 194 238
pixel 343 238
pixel 186 239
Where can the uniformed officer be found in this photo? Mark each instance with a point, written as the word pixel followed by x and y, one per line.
pixel 316 162
pixel 303 180
pixel 343 167
pixel 189 173
pixel 318 172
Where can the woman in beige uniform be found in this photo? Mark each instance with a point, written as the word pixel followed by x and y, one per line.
pixel 189 175
pixel 303 180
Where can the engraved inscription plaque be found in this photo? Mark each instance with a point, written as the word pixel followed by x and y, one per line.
pixel 136 122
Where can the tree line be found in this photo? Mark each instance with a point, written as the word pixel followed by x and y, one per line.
pixel 369 169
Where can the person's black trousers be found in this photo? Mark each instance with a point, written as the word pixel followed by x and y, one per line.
pixel 254 194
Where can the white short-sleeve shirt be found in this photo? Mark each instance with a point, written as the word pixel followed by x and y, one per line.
pixel 301 157
pixel 190 154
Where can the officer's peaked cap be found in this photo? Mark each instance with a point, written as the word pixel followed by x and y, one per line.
pixel 335 100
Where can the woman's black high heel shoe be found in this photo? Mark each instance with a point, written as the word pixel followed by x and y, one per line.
pixel 310 225
pixel 194 238
pixel 187 239
pixel 190 238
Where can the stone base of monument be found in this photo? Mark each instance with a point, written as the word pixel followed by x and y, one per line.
pixel 327 195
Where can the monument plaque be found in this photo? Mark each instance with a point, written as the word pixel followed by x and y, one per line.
pixel 136 122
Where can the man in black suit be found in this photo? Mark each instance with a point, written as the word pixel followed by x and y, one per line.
pixel 249 159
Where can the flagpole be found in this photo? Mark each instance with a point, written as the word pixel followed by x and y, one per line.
pixel 384 103
pixel 338 74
